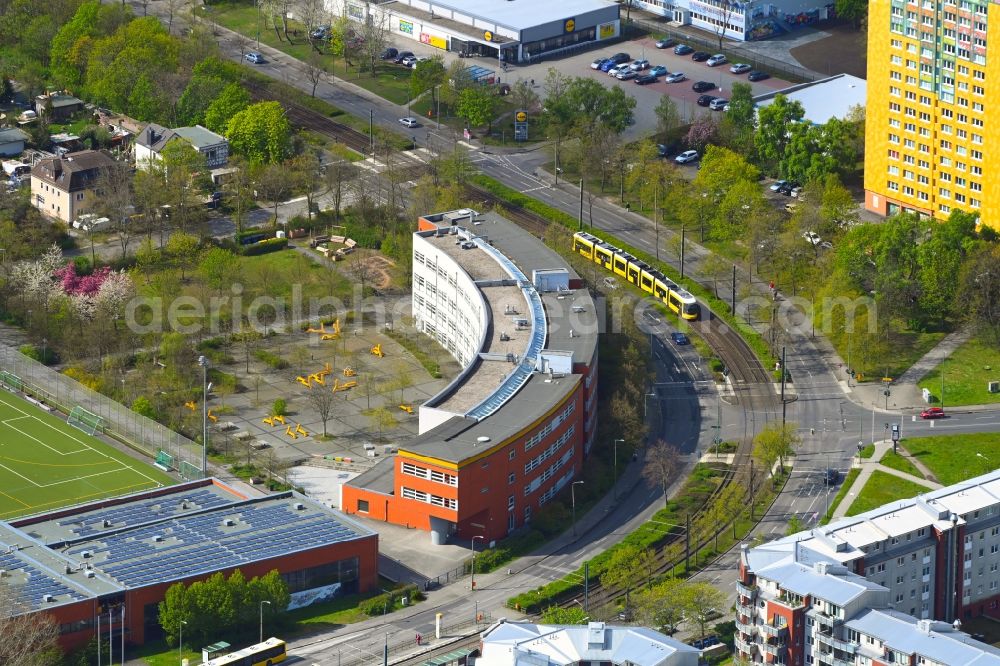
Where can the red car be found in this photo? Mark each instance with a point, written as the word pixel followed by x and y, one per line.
pixel 932 413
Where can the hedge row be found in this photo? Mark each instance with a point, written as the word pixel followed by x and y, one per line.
pixel 264 246
pixel 719 307
pixel 381 603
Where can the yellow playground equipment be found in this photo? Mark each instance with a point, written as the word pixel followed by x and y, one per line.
pixel 191 404
pixel 318 378
pixel 304 381
pixel 377 350
pixel 300 430
pixel 212 417
pixel 350 372
pixel 407 408
pixel 278 418
pixel 290 432
pixel 268 421
pixel 332 334
pixel 337 386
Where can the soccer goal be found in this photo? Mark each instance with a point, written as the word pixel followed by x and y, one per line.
pixel 189 471
pixel 86 421
pixel 11 381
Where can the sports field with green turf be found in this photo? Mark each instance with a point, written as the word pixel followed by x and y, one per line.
pixel 46 463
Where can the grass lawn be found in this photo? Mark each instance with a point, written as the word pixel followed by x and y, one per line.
pixel 45 463
pixel 966 374
pixel 883 488
pixel 896 356
pixel 898 462
pixel 868 451
pixel 392 82
pixel 954 458
pixel 844 489
pixel 157 653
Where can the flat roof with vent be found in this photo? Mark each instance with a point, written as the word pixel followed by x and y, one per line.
pixel 159 536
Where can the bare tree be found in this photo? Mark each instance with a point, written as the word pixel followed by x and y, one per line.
pixel 726 8
pixel 242 43
pixel 173 7
pixel 312 13
pixel 116 201
pixel 374 34
pixel 314 70
pixel 249 338
pixel 338 176
pixel 274 185
pixel 322 399
pixel 29 639
pixel 662 463
pixel 309 179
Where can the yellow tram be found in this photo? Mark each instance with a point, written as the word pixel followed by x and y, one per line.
pixel 638 273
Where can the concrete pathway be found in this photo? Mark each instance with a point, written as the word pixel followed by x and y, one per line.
pixel 931 359
pixel 869 465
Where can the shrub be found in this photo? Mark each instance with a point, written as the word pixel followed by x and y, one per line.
pixel 265 246
pixel 280 407
pixel 273 361
pixel 34 352
pixel 142 405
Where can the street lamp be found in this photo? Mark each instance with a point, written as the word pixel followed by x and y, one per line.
pixel 615 487
pixel 180 643
pixel 265 601
pixel 572 495
pixel 474 559
pixel 645 404
pixel 203 362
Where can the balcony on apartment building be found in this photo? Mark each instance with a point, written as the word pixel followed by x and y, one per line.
pixel 827 638
pixel 745 624
pixel 774 648
pixel 778 632
pixel 748 591
pixel 790 600
pixel 824 621
pixel 834 658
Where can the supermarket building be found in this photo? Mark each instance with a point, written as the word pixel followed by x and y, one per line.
pixel 509 30
pixel 512 429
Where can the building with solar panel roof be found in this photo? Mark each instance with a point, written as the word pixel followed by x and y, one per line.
pixel 125 552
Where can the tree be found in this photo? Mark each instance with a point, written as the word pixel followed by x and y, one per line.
pixel 231 100
pixel 477 105
pixel 703 131
pixel 184 174
pixel 564 616
pixel 314 70
pixel 339 175
pixel 322 401
pixel 219 268
pixel 183 249
pixel 774 443
pixel 238 191
pixel 773 122
pixel 29 638
pixel 523 96
pixel 274 184
pixel 458 78
pixel 381 419
pixel 723 11
pixel 374 35
pixel 855 11
pixel 428 75
pixel 661 607
pixel 662 463
pixel 668 118
pixel 260 133
pixel 741 118
pixel 116 200
pixel 701 603
pixel 199 94
pixel 620 571
pixel 341 35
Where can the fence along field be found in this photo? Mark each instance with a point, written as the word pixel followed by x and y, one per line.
pixel 46 463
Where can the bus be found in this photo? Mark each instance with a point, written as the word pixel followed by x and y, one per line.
pixel 268 653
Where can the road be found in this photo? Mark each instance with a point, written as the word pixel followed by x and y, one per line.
pixel 832 422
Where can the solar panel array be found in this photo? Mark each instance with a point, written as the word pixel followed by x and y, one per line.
pixel 194 544
pixel 137 513
pixel 39 582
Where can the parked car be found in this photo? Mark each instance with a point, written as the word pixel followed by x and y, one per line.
pixel 700 56
pixel 812 237
pixel 705 100
pixel 686 156
pixel 683 49
pixel 389 54
pixel 757 75
pixel 416 60
pixel 788 187
pixel 831 476
pixel 665 43
pixel 322 32
pixel 409 121
pixel 625 74
pixel 596 64
pixel 608 64
pixel 658 70
pixel 674 77
pixel 778 184
pixel 718 103
pixel 933 413
pixel 408 61
pixel 401 56
pixel 716 60
pixel 620 58
pixel 613 71
pixel 703 86
pixel 679 338
pixel 639 65
pixel 645 79
pixel 740 68
pixel 706 642
pixel 254 57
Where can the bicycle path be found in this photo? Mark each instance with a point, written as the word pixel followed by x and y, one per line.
pixel 868 466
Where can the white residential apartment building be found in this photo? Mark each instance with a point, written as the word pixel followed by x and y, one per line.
pixel 888 586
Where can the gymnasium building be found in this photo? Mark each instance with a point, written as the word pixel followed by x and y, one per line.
pixel 79 562
pixel 513 428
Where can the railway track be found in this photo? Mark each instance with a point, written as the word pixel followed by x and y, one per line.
pixel 524 218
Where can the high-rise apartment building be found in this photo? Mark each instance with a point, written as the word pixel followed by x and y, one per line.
pixel 927 139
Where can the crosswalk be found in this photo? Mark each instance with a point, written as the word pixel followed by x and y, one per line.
pixel 408 158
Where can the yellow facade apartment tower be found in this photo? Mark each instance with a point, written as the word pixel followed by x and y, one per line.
pixel 931 138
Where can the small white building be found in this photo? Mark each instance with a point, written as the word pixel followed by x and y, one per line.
pixel 153 138
pixel 520 643
pixel 833 97
pixel 12 141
